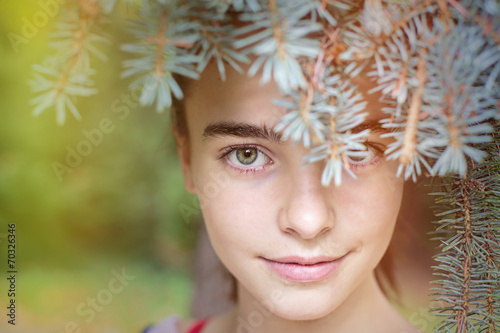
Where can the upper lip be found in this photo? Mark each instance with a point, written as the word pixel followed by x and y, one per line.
pixel 302 260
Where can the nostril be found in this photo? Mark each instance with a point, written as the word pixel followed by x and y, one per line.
pixel 307 210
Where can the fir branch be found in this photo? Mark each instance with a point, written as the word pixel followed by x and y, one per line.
pixel 363 39
pixel 466 238
pixel 66 76
pixel 164 44
pixel 323 115
pixel 215 42
pixel 470 257
pixel 279 38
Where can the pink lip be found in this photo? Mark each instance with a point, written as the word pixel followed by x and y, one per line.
pixel 303 269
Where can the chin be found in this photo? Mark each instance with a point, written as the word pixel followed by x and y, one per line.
pixel 305 308
pixel 302 314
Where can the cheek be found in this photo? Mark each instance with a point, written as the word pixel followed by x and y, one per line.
pixel 236 218
pixel 368 208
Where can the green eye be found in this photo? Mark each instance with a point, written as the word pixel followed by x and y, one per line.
pixel 247 156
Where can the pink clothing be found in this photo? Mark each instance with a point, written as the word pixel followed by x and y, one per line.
pixel 169 325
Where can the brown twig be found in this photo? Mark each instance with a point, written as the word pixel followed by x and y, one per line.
pixel 161 41
pixel 78 44
pixel 277 33
pixel 462 315
pixel 410 137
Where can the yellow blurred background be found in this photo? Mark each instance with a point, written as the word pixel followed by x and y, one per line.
pixel 117 209
pixel 117 212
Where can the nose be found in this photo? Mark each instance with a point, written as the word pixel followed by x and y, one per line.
pixel 307 209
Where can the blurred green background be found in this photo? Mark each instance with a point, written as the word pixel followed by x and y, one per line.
pixel 119 209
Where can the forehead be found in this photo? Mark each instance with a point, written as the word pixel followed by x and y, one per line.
pixel 244 99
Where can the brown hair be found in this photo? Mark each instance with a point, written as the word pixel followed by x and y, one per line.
pixel 177 112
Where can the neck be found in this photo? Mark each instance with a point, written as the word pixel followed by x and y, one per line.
pixel 364 311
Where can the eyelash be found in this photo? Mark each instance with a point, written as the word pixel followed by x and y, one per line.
pixel 375 161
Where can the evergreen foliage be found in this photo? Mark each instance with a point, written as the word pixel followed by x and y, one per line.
pixel 469 231
pixel 435 62
pixel 67 74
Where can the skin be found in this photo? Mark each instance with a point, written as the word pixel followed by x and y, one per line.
pixel 281 209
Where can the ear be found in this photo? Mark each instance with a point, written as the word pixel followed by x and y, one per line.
pixel 185 158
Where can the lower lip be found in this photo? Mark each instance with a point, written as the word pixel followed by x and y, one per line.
pixel 303 273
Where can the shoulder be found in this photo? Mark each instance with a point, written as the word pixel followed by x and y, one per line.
pixel 171 324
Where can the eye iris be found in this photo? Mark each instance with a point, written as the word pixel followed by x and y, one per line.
pixel 246 155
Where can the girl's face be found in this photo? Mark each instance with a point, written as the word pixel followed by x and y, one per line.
pixel 271 222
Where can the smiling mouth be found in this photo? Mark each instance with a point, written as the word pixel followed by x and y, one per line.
pixel 301 269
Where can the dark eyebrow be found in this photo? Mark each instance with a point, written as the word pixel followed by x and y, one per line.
pixel 242 130
pixel 373 125
pixel 245 130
